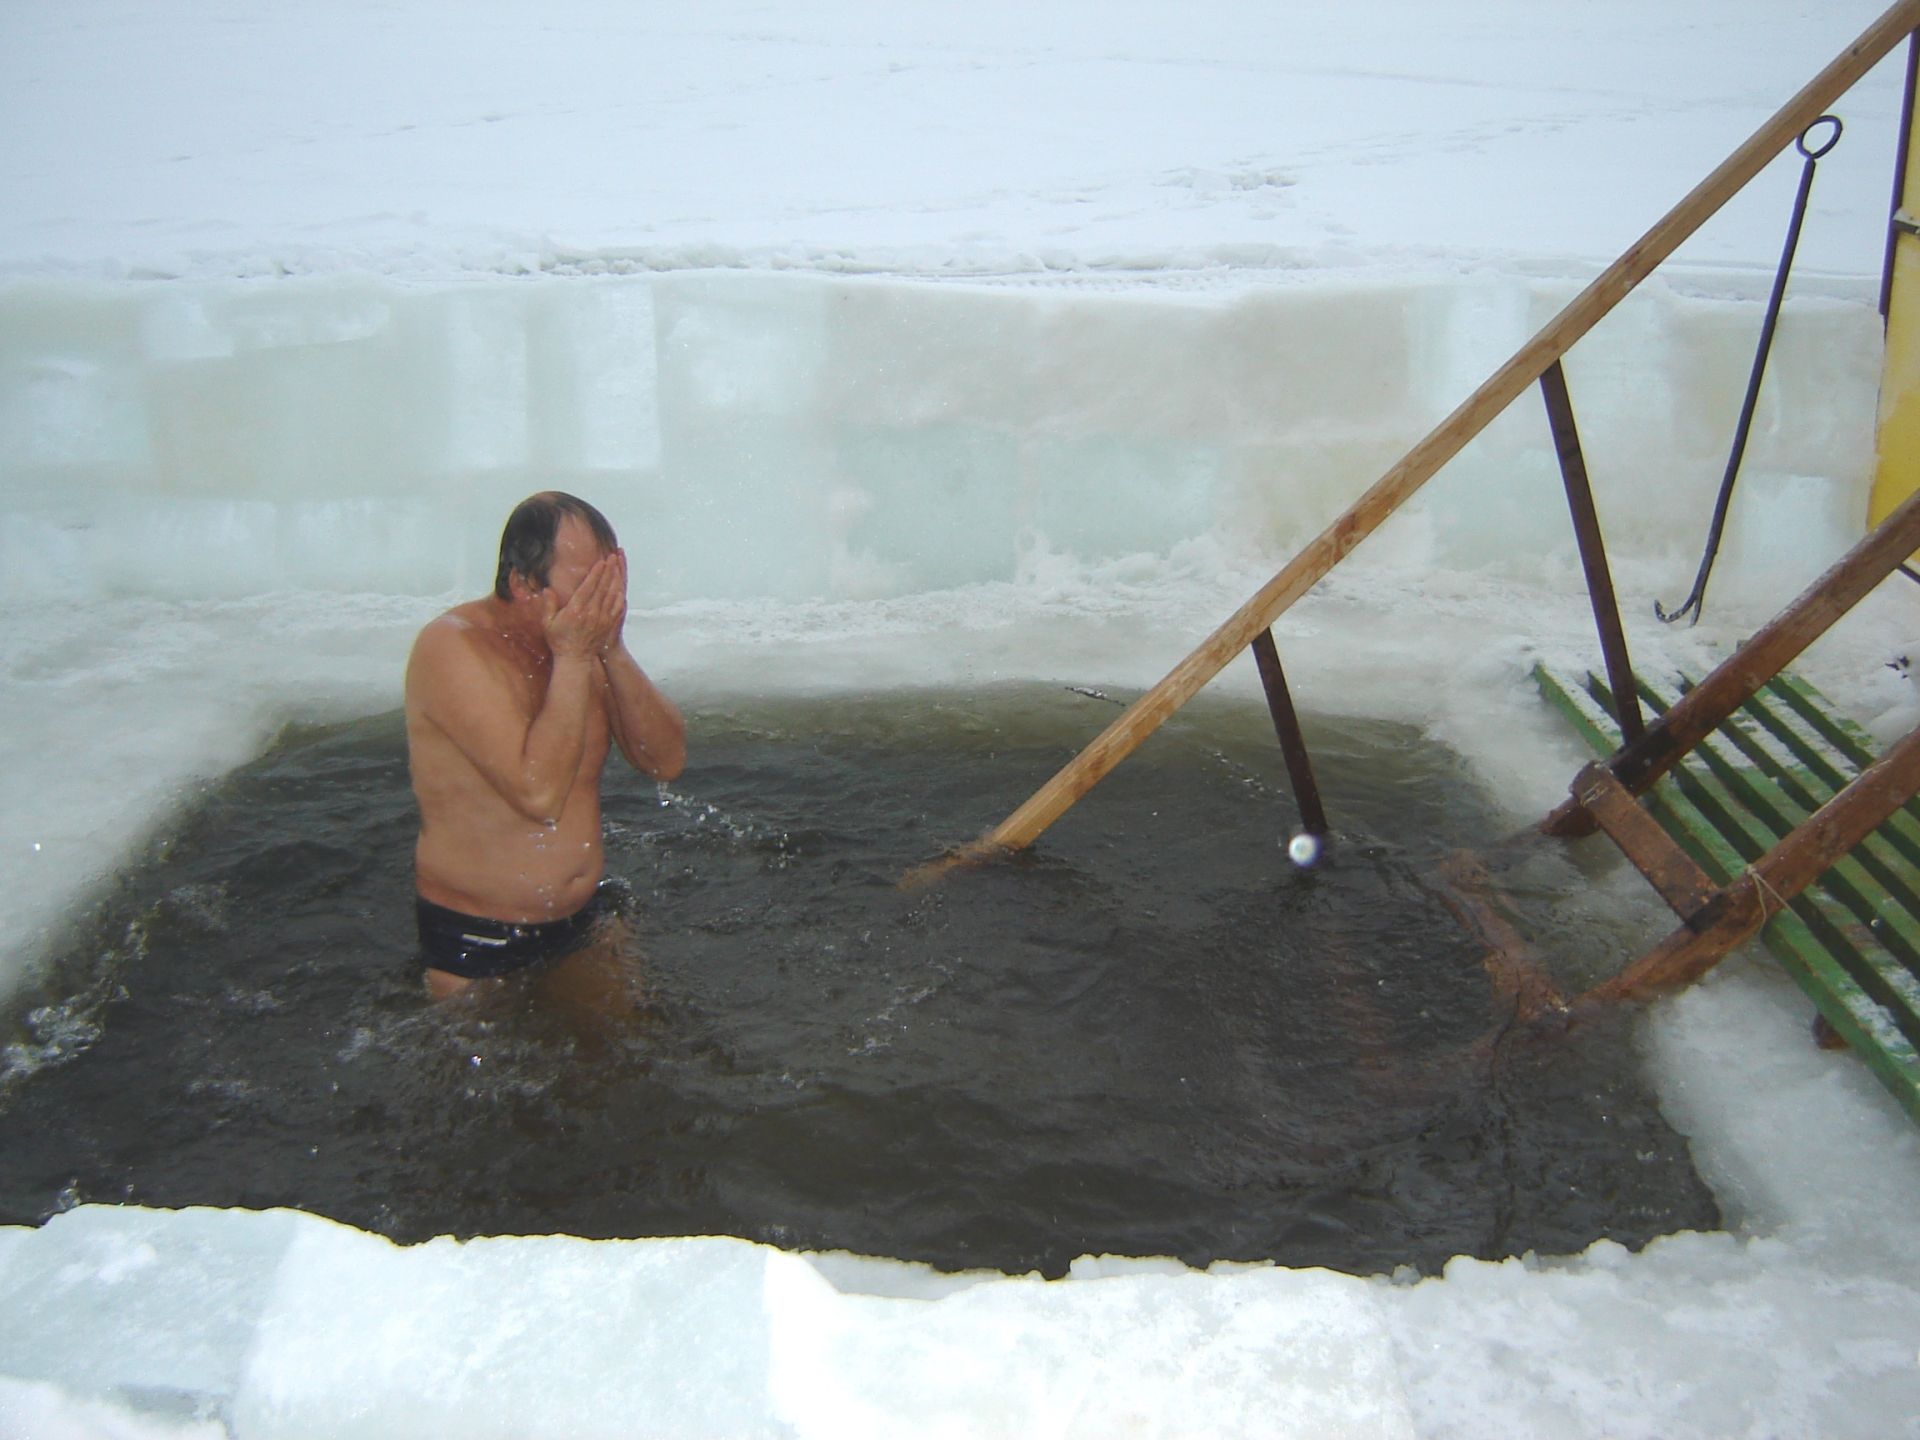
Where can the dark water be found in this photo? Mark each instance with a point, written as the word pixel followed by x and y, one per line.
pixel 1150 1035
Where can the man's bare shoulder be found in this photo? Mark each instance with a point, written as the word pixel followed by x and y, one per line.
pixel 469 624
pixel 459 640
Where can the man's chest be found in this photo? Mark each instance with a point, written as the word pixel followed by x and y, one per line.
pixel 530 684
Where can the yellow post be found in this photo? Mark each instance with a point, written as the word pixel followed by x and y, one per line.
pixel 1898 471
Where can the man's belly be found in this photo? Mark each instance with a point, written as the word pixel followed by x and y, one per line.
pixel 527 878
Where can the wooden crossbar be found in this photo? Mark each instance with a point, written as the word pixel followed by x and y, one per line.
pixel 1767 884
pixel 1682 884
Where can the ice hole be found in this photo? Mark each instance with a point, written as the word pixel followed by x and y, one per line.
pixel 1149 1035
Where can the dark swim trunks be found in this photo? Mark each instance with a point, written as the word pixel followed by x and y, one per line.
pixel 477 948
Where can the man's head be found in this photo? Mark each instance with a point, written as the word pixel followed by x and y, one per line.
pixel 527 543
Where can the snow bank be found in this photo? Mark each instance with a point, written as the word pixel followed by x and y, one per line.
pixel 787 438
pixel 218 137
pixel 287 1325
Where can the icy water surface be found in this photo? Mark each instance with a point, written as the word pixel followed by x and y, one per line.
pixel 1149 1035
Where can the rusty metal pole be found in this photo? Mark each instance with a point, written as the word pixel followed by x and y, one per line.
pixel 1593 551
pixel 1286 725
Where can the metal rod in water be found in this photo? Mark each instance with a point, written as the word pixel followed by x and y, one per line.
pixel 1593 551
pixel 1293 744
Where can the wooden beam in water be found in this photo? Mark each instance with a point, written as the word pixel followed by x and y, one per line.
pixel 1520 984
pixel 1391 490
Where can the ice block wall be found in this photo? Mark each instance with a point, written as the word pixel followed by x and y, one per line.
pixel 767 435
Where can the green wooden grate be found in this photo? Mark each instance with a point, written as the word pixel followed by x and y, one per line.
pixel 1852 938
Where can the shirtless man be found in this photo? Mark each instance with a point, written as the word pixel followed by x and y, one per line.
pixel 512 703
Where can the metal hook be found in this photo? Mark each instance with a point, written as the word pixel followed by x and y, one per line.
pixel 1815 152
pixel 1812 153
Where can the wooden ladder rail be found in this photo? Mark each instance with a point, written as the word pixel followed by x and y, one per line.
pixel 1418 465
pixel 1739 908
pixel 1771 648
pixel 1715 919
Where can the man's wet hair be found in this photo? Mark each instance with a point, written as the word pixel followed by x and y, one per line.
pixel 526 545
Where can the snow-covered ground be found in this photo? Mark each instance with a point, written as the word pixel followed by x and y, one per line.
pixel 920 343
pixel 201 137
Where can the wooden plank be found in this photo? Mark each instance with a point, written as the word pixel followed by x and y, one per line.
pixel 1687 814
pixel 1591 708
pixel 1688 952
pixel 1450 436
pixel 1874 794
pixel 1805 702
pixel 1861 881
pixel 1827 926
pixel 1681 883
pixel 1519 982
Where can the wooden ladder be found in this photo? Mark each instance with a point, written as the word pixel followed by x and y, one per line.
pixel 1781 820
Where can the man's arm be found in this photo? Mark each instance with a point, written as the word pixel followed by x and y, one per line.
pixel 530 763
pixel 646 725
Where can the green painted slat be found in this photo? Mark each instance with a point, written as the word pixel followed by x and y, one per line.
pixel 1877 900
pixel 1812 749
pixel 1683 820
pixel 1846 737
pixel 1596 727
pixel 1836 729
pixel 1589 707
pixel 1815 941
pixel 1886 855
pixel 1862 881
pixel 1872 936
pixel 1781 711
